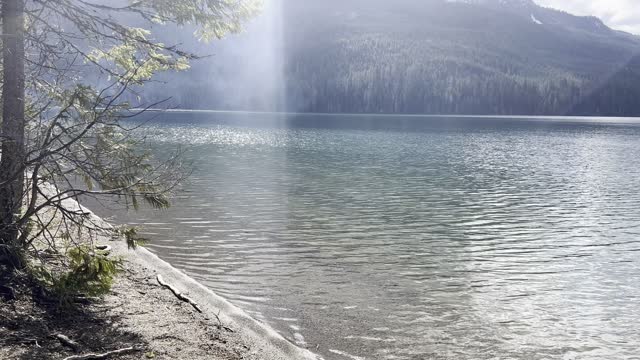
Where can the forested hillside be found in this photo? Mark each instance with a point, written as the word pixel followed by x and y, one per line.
pixel 442 57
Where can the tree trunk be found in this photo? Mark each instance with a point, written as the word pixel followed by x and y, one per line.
pixel 13 126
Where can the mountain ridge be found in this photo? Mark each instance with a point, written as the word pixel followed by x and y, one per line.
pixel 502 57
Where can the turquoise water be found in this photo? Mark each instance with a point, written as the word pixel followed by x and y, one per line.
pixel 413 238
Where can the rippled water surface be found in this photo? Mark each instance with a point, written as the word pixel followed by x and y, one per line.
pixel 414 238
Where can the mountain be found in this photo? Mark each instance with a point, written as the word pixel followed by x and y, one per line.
pixel 443 56
pixel 541 16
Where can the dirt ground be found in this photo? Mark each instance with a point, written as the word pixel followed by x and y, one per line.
pixel 138 312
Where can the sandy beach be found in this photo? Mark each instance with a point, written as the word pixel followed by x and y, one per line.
pixel 139 313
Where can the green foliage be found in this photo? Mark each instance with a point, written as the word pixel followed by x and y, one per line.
pixel 137 59
pixel 131 236
pixel 89 272
pixel 212 18
pixel 82 58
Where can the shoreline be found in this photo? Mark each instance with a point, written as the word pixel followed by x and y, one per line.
pixel 577 118
pixel 256 339
pixel 140 313
pixel 259 340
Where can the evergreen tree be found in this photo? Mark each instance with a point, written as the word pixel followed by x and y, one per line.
pixel 68 66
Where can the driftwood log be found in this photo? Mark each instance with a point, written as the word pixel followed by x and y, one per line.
pixel 104 355
pixel 178 294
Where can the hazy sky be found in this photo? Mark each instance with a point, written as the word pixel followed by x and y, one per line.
pixel 618 14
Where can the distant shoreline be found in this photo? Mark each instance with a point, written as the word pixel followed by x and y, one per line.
pixel 523 117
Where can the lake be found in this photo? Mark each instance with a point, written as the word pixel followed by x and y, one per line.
pixel 391 237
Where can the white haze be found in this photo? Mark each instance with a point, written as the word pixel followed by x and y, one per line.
pixel 618 14
pixel 257 58
pixel 241 72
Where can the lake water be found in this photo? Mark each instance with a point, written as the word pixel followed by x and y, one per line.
pixel 414 237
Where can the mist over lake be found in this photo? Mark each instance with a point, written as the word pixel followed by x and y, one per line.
pixel 387 237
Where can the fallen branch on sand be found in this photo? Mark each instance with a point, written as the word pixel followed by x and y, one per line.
pixel 188 300
pixel 65 340
pixel 178 294
pixel 105 355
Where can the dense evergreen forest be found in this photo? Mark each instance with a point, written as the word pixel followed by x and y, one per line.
pixel 437 57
